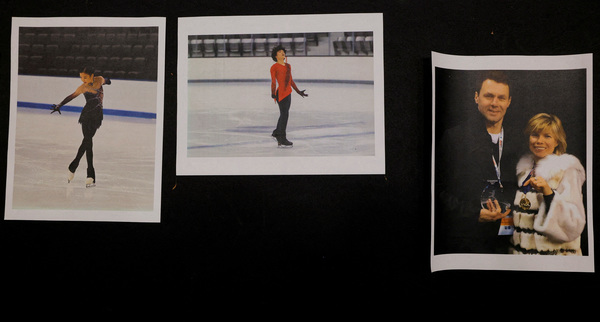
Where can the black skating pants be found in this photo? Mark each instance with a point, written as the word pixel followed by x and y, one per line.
pixel 284 113
pixel 85 148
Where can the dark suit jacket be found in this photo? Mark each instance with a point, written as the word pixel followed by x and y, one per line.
pixel 463 164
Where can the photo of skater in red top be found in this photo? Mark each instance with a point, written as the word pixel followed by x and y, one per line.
pixel 281 74
pixel 90 119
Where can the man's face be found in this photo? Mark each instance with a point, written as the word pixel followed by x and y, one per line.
pixel 493 100
pixel 280 55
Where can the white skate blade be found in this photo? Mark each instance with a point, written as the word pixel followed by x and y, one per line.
pixel 70 177
pixel 281 146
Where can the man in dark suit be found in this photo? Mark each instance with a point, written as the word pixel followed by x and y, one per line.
pixel 475 174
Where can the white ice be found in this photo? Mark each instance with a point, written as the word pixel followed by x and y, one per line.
pixel 237 119
pixel 124 160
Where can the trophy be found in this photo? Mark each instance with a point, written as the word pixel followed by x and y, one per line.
pixel 493 191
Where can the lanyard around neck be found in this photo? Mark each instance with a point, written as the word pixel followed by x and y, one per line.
pixel 497 164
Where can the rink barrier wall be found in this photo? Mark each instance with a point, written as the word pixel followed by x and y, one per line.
pixel 330 69
pixel 77 109
pixel 330 81
pixel 125 98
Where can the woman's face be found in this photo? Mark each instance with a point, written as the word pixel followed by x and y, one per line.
pixel 542 143
pixel 86 78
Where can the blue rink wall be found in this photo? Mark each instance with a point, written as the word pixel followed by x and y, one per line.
pixel 330 69
pixel 125 98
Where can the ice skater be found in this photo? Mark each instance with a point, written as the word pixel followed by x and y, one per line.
pixel 90 119
pixel 281 73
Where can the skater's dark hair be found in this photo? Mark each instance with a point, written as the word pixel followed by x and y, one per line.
pixel 275 50
pixel 88 70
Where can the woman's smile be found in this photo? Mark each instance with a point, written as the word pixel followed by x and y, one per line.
pixel 542 143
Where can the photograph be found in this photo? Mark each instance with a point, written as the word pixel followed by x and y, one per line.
pixel 86 110
pixel 273 95
pixel 511 163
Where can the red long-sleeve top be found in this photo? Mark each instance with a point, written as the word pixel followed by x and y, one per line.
pixel 283 76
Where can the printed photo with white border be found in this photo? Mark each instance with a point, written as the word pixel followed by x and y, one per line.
pixel 511 184
pixel 86 119
pixel 280 95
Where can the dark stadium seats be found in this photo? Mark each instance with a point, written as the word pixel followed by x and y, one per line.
pixel 296 44
pixel 122 52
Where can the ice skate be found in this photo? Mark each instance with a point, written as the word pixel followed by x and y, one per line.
pixel 282 142
pixel 91 178
pixel 72 167
pixel 90 182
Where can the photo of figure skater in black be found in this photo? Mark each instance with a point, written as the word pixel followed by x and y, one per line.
pixel 281 73
pixel 90 119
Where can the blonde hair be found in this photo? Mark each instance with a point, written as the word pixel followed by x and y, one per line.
pixel 543 121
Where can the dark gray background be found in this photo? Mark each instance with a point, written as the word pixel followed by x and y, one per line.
pixel 257 244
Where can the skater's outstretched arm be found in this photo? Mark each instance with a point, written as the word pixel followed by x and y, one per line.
pixel 98 82
pixel 300 92
pixel 82 88
pixel 56 108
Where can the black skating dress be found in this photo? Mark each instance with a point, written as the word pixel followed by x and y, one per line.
pixel 92 113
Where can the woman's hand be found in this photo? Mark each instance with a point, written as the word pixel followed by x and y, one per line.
pixel 539 184
pixel 55 108
pixel 493 212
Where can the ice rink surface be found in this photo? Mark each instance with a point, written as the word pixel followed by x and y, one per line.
pixel 236 119
pixel 124 160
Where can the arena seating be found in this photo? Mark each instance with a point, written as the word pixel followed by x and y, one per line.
pixel 116 52
pixel 354 43
pixel 296 44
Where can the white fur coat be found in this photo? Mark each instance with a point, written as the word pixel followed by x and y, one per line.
pixel 556 230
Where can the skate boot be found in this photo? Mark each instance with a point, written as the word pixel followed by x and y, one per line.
pixel 72 168
pixel 282 142
pixel 90 182
pixel 91 178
